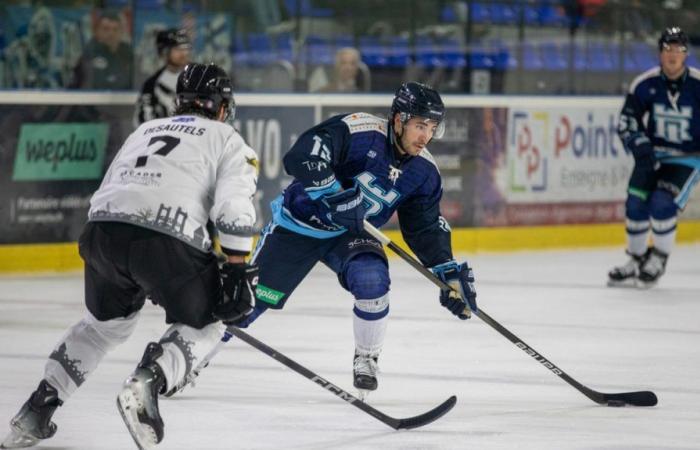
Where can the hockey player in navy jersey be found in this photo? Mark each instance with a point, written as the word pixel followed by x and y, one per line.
pixel 666 150
pixel 346 169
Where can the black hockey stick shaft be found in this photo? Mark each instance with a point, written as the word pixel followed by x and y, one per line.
pixel 641 398
pixel 397 424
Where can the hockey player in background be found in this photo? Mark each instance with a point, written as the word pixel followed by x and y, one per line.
pixel 147 236
pixel 346 169
pixel 666 158
pixel 157 97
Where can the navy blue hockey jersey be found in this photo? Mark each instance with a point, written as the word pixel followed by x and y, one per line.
pixel 356 148
pixel 673 122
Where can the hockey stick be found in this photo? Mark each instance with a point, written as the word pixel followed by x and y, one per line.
pixel 641 398
pixel 397 424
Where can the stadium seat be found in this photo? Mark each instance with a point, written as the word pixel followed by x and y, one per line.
pixel 304 8
pixel 480 12
pixel 343 40
pixel 426 53
pixel 399 55
pixel 554 56
pixel 532 59
pixel 318 50
pixel 599 57
pixel 284 44
pixel 450 53
pixel 260 49
pixel 374 54
pixel 505 14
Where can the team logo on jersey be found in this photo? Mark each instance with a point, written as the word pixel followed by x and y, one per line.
pixel 444 226
pixel 673 125
pixel 253 162
pixel 394 174
pixel 374 195
pixel 184 119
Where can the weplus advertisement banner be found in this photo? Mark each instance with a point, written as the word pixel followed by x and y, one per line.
pixel 564 165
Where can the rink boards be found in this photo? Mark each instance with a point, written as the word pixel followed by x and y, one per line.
pixel 518 172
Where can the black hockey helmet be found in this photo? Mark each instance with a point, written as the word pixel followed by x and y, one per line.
pixel 203 89
pixel 673 35
pixel 419 100
pixel 172 38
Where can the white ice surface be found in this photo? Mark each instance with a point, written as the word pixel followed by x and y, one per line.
pixel 611 340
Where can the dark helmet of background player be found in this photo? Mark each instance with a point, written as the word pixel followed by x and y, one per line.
pixel 172 38
pixel 204 89
pixel 419 100
pixel 673 35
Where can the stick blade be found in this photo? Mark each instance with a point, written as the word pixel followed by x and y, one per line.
pixel 427 417
pixel 640 398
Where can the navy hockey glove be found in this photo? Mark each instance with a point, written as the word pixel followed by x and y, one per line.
pixel 346 209
pixel 643 176
pixel 238 281
pixel 461 300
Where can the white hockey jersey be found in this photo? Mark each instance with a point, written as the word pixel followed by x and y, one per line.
pixel 175 174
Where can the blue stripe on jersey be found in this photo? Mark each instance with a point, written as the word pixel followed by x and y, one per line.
pixel 283 218
pixel 370 315
pixel 689 161
pixel 316 192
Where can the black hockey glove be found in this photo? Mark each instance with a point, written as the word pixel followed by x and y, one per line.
pixel 238 298
pixel 346 209
pixel 643 176
pixel 461 300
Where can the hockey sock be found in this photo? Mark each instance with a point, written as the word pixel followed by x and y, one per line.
pixel 82 348
pixel 369 324
pixel 637 243
pixel 184 347
pixel 664 234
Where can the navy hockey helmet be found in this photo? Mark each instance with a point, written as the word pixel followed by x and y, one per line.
pixel 172 38
pixel 419 100
pixel 673 35
pixel 204 88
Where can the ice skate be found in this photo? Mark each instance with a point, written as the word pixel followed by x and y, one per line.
pixel 652 268
pixel 138 400
pixel 626 275
pixel 364 370
pixel 33 421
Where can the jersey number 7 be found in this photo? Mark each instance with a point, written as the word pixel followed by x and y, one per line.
pixel 169 143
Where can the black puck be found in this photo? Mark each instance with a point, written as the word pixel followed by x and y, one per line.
pixel 616 403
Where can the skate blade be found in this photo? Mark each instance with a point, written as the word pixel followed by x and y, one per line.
pixel 628 283
pixel 18 439
pixel 362 394
pixel 645 285
pixel 143 435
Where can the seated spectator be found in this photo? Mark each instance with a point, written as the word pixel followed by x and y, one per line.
pixel 345 73
pixel 107 61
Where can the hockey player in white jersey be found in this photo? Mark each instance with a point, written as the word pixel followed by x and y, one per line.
pixel 147 237
pixel 157 97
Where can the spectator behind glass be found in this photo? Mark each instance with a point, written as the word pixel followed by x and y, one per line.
pixel 107 61
pixel 345 73
pixel 28 58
